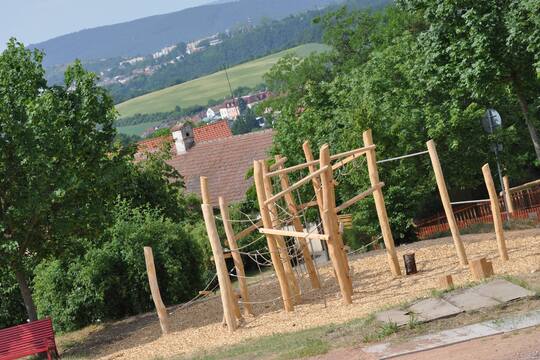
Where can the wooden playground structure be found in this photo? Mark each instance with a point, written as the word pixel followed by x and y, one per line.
pixel 280 210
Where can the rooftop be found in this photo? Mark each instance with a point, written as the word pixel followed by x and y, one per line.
pixel 225 163
pixel 217 130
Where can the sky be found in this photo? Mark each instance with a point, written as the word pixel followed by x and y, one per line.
pixel 33 21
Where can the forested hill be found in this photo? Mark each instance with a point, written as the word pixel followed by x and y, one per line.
pixel 237 47
pixel 149 34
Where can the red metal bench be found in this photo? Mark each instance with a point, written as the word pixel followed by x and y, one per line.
pixel 28 339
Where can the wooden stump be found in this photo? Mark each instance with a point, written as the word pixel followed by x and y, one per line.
pixel 481 268
pixel 446 282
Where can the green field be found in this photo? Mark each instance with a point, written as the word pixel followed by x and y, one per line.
pixel 214 86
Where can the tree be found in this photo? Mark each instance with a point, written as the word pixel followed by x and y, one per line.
pixel 57 163
pixel 482 46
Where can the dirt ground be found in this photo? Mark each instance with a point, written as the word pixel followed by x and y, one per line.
pixel 199 326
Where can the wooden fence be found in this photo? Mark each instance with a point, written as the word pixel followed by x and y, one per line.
pixel 526 206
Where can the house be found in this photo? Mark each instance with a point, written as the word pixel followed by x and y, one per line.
pixel 225 162
pixel 230 110
pixel 183 137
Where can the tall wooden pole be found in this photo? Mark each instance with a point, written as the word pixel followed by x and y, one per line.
pixel 312 168
pixel 154 289
pixel 507 195
pixel 219 259
pixel 496 212
pixel 445 199
pixel 316 187
pixel 258 176
pixel 331 227
pixel 380 205
pixel 297 223
pixel 237 258
pixel 280 241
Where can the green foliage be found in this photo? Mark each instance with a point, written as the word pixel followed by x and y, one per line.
pixel 11 307
pixel 110 280
pixel 159 133
pixel 245 123
pixel 376 77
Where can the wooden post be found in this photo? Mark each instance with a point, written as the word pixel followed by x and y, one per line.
pixel 237 258
pixel 380 206
pixel 446 282
pixel 496 212
pixel 221 267
pixel 481 268
pixel 312 168
pixel 154 289
pixel 507 195
pixel 331 227
pixel 272 245
pixel 297 223
pixel 445 199
pixel 280 241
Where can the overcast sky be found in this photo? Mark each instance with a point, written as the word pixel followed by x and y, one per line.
pixel 32 21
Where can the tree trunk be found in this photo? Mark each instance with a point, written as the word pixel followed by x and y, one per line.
pixel 25 293
pixel 528 121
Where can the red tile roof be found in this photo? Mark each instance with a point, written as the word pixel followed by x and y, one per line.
pixel 225 162
pixel 153 145
pixel 217 130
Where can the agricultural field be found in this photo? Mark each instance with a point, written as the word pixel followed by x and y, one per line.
pixel 214 86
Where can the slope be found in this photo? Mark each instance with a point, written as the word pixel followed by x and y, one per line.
pixel 199 91
pixel 143 36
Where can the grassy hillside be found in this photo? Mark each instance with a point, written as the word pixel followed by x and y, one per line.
pixel 199 91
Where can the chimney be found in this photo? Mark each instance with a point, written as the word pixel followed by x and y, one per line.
pixel 183 138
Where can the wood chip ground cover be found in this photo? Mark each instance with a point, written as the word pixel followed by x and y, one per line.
pixel 199 327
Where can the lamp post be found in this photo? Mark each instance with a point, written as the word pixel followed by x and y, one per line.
pixel 492 121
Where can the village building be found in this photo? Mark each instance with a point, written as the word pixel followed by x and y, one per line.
pixel 214 152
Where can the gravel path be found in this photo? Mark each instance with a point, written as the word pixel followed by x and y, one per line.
pixel 199 327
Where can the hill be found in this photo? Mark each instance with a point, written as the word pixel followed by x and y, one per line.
pixel 214 86
pixel 143 36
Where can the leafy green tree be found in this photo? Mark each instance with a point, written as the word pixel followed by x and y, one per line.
pixel 245 123
pixel 160 132
pixel 57 163
pixel 109 281
pixel 484 47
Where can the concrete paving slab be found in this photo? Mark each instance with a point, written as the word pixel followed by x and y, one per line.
pixel 469 300
pixel 396 316
pixel 433 308
pixel 502 290
pixel 454 336
pixel 421 343
pixel 516 323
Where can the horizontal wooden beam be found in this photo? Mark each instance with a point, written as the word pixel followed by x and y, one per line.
pixel 226 255
pixel 292 168
pixel 278 163
pixel 524 186
pixel 307 205
pixel 242 234
pixel 345 161
pixel 358 197
pixel 358 151
pixel 297 234
pixel 295 186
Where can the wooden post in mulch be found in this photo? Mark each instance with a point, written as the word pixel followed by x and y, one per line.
pixel 286 293
pixel 219 258
pixel 154 289
pixel 446 282
pixel 496 212
pixel 331 226
pixel 297 223
pixel 280 241
pixel 237 258
pixel 380 205
pixel 481 268
pixel 445 199
pixel 507 195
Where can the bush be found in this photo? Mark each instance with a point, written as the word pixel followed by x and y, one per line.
pixel 110 280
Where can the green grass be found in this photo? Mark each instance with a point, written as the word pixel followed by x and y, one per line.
pixel 214 86
pixel 137 129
